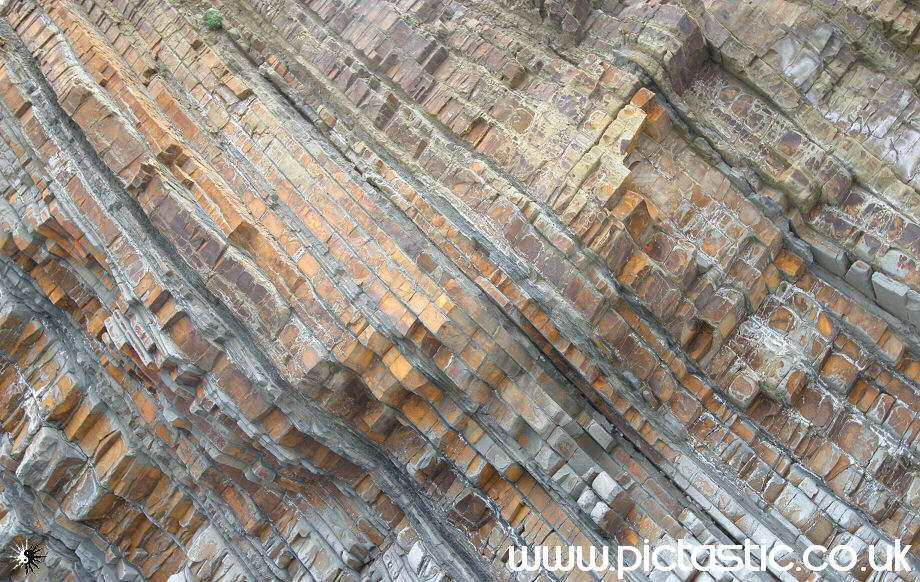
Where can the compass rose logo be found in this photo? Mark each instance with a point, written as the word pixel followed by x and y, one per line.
pixel 25 556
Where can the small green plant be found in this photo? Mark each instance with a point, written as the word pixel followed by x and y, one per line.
pixel 410 20
pixel 213 19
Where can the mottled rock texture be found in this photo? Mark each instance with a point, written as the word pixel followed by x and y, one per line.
pixel 373 289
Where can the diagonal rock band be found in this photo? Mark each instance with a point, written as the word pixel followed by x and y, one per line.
pixel 378 291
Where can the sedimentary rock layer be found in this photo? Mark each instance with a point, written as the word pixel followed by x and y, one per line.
pixel 372 290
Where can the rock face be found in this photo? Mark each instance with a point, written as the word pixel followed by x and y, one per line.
pixel 372 290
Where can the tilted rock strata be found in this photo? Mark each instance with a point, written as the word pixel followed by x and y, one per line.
pixel 373 290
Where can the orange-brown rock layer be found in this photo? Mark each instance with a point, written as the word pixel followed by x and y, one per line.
pixel 372 290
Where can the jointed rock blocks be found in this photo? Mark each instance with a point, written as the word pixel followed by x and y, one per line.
pixel 372 291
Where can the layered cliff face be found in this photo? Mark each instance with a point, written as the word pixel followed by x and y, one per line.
pixel 372 290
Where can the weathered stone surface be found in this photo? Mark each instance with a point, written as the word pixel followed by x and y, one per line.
pixel 859 275
pixel 353 290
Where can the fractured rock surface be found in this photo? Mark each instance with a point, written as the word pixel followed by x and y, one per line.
pixel 372 290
